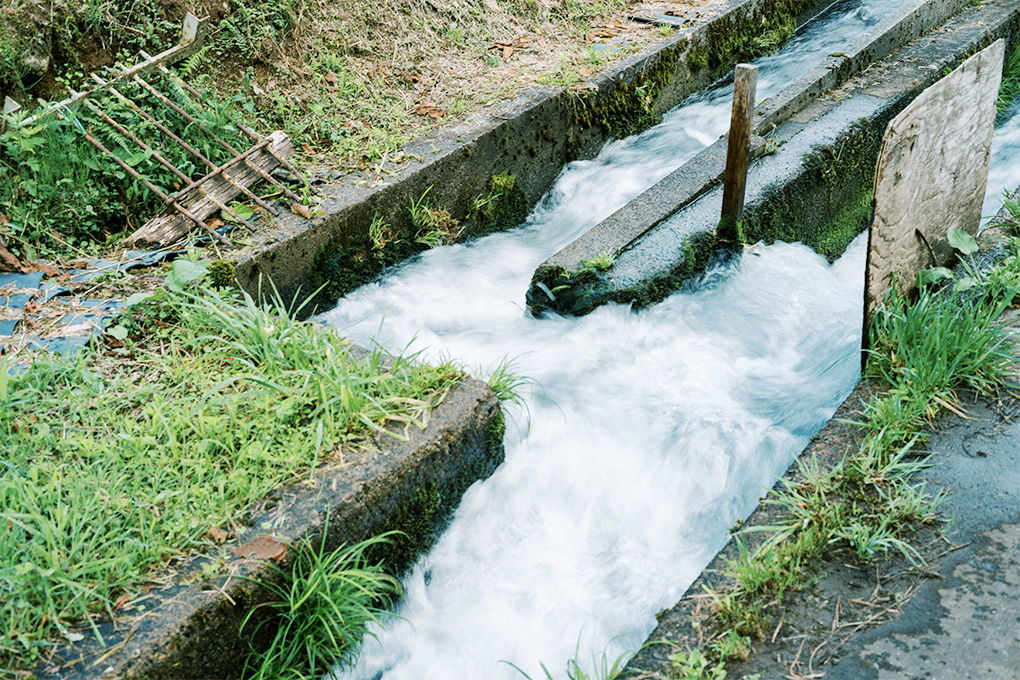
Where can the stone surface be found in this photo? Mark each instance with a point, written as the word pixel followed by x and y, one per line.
pixel 932 173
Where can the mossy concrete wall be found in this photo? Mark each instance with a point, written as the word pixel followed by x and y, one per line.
pixel 815 189
pixel 189 625
pixel 529 138
pixel 563 271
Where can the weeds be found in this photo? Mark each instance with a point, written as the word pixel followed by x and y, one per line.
pixel 1010 87
pixel 601 262
pixel 115 464
pixel 380 233
pixel 693 665
pixel 321 612
pixel 435 226
pixel 604 669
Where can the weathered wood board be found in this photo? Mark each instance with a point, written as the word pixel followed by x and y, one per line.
pixel 931 175
pixel 169 226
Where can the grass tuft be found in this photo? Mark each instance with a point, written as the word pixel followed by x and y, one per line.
pixel 321 612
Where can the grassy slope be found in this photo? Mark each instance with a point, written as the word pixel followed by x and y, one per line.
pixel 349 81
pixel 116 463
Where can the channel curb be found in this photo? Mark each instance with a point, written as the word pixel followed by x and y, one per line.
pixel 188 625
pixel 529 137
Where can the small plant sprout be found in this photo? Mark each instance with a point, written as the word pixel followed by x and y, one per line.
pixel 603 668
pixel 692 664
pixel 380 233
pixel 422 216
pixel 601 262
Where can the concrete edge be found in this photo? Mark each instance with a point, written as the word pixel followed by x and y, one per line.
pixel 530 138
pixel 839 193
pixel 189 624
pixel 692 179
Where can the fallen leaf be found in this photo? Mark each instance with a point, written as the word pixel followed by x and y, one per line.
pixel 302 210
pixel 218 535
pixel 47 269
pixel 262 548
pixel 429 109
pixel 507 51
pixel 9 262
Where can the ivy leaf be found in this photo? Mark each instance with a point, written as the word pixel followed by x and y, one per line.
pixel 934 275
pixel 118 332
pixel 962 241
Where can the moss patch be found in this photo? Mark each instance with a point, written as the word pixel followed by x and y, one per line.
pixel 626 108
pixel 630 107
pixel 504 205
pixel 831 202
pixel 578 292
pixel 221 273
pixel 422 519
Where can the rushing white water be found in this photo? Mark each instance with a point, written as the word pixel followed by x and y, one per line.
pixel 652 432
pixel 656 431
pixel 1004 170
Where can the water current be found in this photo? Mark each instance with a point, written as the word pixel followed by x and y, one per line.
pixel 646 434
pixel 1004 170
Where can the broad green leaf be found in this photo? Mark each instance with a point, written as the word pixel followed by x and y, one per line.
pixel 934 275
pixel 965 283
pixel 184 272
pixel 135 298
pixel 962 241
pixel 118 332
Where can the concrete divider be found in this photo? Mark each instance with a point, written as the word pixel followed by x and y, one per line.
pixel 687 242
pixel 489 170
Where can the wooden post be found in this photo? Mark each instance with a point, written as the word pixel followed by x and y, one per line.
pixel 738 152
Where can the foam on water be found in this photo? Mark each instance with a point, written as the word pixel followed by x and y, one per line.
pixel 655 432
pixel 1004 170
pixel 652 433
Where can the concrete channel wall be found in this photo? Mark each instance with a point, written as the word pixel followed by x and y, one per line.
pixel 895 81
pixel 511 154
pixel 189 626
pixel 813 187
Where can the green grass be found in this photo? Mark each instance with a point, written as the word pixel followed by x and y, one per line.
pixel 870 503
pixel 1010 87
pixel 114 464
pixel 321 612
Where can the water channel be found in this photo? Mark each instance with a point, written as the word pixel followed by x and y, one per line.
pixel 645 435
